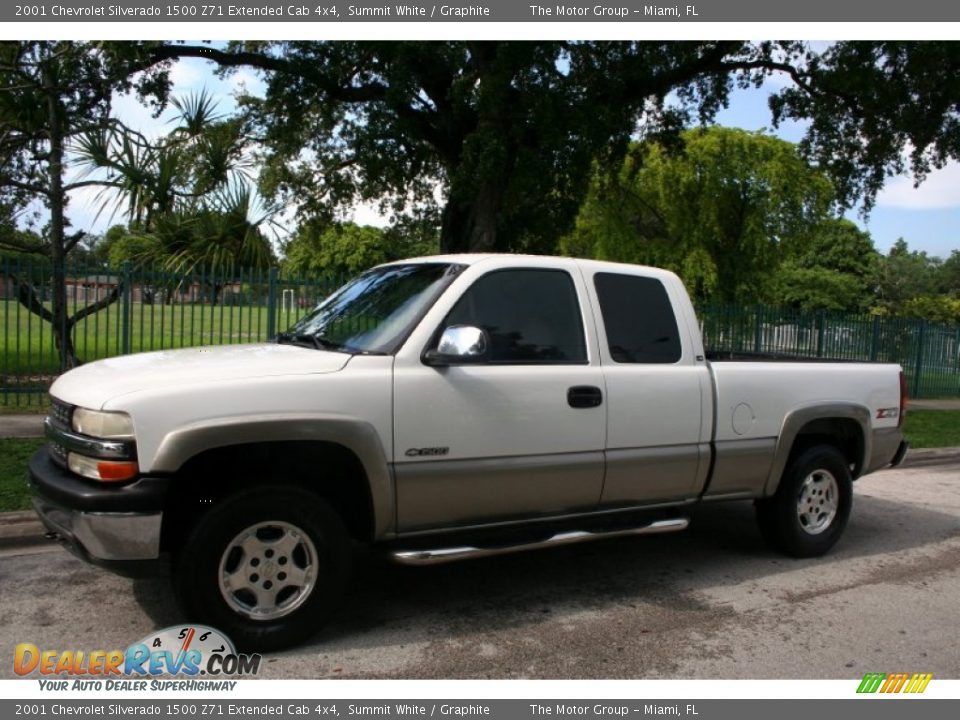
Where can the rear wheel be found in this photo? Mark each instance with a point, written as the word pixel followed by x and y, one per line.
pixel 810 509
pixel 266 567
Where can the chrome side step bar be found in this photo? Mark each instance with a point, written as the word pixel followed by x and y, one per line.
pixel 435 556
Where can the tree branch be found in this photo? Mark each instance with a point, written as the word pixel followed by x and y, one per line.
pixel 96 307
pixel 91 183
pixel 24 247
pixel 28 298
pixel 225 59
pixel 71 242
pixel 343 93
pixel 693 69
pixel 29 187
pixel 800 79
pixel 16 88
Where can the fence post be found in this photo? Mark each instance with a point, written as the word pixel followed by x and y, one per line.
pixel 918 369
pixel 125 314
pixel 758 331
pixel 875 340
pixel 956 365
pixel 272 303
pixel 820 332
pixel 59 281
pixel 956 349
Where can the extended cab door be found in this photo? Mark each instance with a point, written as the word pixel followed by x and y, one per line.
pixel 659 401
pixel 506 439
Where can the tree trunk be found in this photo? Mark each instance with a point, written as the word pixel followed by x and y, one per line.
pixel 61 329
pixel 472 226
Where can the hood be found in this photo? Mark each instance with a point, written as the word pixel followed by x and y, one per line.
pixel 94 384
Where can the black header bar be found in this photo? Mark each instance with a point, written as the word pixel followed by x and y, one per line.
pixel 330 11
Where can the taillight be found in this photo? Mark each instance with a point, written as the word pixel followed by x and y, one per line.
pixel 903 398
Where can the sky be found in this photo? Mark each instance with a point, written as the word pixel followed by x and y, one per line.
pixel 927 217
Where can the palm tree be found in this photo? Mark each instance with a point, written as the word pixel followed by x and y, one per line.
pixel 190 192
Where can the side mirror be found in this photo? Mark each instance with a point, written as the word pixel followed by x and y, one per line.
pixel 459 345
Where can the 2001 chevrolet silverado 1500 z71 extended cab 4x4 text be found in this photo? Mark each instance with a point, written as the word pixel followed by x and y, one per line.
pixel 443 408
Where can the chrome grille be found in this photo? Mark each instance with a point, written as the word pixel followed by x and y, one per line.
pixel 61 413
pixel 58 453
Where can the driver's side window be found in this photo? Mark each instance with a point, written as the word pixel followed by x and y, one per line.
pixel 532 316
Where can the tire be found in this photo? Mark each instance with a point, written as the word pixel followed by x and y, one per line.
pixel 808 513
pixel 266 566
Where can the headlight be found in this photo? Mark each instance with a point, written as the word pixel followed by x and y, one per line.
pixel 114 425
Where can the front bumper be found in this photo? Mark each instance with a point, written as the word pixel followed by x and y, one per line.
pixel 115 527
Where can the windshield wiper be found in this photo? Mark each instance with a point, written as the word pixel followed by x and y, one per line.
pixel 327 344
pixel 309 340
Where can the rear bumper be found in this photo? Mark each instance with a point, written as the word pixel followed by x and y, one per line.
pixel 115 527
pixel 901 454
pixel 887 448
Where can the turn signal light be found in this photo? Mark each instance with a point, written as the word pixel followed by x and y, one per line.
pixel 113 471
pixel 105 470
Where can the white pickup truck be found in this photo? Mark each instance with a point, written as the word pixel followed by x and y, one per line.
pixel 443 408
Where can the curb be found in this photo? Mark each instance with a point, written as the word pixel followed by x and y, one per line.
pixel 928 457
pixel 21 528
pixel 18 529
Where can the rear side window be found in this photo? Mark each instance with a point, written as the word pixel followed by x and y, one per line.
pixel 532 316
pixel 639 319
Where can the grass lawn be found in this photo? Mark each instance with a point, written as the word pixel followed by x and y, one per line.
pixel 14 455
pixel 38 406
pixel 26 341
pixel 924 429
pixel 933 428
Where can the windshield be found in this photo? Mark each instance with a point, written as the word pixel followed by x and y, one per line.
pixel 374 312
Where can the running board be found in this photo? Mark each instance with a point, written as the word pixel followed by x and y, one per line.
pixel 435 556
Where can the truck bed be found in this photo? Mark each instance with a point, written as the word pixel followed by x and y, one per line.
pixel 753 397
pixel 744 356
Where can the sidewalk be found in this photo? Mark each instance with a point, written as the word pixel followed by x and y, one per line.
pixel 945 404
pixel 21 426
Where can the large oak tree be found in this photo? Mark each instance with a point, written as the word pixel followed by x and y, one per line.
pixel 504 133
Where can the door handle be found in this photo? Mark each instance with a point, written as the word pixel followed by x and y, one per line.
pixel 584 396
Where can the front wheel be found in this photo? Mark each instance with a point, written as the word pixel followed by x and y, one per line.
pixel 265 567
pixel 810 509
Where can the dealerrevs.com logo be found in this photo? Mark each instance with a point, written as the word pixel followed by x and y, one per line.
pixel 887 683
pixel 186 652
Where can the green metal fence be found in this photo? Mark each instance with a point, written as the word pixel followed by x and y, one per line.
pixel 927 352
pixel 156 309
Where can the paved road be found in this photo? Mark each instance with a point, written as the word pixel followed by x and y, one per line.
pixel 711 602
